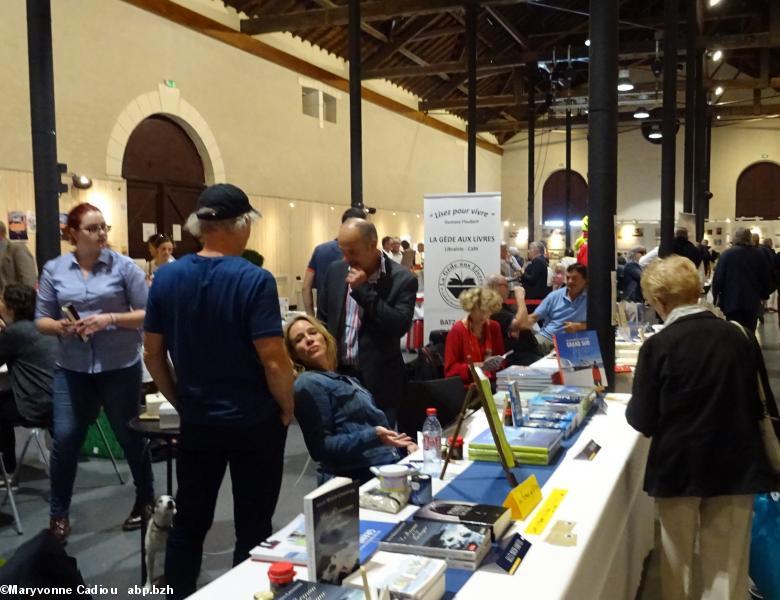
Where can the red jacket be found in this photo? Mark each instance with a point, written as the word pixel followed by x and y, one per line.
pixel 462 347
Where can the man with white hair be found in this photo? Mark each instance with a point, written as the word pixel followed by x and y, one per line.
pixel 218 316
pixel 741 280
pixel 534 279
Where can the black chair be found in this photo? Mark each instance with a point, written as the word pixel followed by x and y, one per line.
pixel 445 395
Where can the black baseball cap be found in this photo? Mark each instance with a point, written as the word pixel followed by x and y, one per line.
pixel 223 201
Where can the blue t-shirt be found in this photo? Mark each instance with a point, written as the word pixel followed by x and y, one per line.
pixel 323 255
pixel 557 308
pixel 209 311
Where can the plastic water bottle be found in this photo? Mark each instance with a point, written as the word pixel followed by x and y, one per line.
pixel 431 432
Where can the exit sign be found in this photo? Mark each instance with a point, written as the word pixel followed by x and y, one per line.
pixel 169 83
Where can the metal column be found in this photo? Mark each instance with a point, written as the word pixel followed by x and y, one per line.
pixel 46 176
pixel 355 108
pixel 690 107
pixel 699 145
pixel 472 10
pixel 567 215
pixel 531 68
pixel 602 175
pixel 669 148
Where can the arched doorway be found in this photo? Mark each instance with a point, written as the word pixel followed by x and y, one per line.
pixel 164 174
pixel 554 197
pixel 758 191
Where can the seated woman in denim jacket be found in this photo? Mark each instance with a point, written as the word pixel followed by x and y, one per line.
pixel 344 431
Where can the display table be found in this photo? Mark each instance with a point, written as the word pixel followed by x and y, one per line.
pixel 614 524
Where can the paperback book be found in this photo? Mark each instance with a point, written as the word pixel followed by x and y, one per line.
pixel 332 530
pixel 579 359
pixel 404 577
pixel 309 590
pixel 471 513
pixel 461 545
pixel 530 445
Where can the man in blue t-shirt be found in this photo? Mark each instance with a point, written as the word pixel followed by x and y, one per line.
pixel 218 317
pixel 324 254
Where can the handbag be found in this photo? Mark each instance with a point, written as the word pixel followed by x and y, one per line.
pixel 768 435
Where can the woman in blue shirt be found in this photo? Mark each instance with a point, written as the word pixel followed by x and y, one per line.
pixel 344 431
pixel 99 358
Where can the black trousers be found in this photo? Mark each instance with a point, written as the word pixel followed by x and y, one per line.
pixel 255 456
pixel 9 416
pixel 747 318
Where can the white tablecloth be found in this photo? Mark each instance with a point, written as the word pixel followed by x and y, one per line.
pixel 613 516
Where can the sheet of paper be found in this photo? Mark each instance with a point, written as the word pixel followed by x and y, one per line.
pixel 176 233
pixel 148 230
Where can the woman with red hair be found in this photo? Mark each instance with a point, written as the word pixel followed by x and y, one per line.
pixel 93 299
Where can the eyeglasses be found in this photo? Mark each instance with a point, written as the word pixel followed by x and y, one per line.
pixel 93 229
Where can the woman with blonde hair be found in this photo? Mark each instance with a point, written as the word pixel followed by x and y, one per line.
pixel 476 337
pixel 695 393
pixel 343 429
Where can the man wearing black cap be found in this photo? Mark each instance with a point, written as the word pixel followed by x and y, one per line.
pixel 218 317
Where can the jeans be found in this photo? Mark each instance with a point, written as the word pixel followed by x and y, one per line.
pixel 9 416
pixel 255 455
pixel 77 400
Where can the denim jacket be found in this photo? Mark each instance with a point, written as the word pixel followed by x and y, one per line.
pixel 338 420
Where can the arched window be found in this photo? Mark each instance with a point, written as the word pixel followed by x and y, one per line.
pixel 554 197
pixel 758 191
pixel 164 174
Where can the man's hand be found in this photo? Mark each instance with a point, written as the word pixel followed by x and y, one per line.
pixel 286 416
pixel 572 327
pixel 356 277
pixel 519 292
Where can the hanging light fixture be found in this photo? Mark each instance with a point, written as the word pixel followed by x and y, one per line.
pixel 641 113
pixel 624 81
pixel 716 55
pixel 719 90
pixel 655 133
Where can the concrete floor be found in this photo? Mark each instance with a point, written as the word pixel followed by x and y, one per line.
pixel 108 556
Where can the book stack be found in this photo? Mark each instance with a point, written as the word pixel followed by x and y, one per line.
pixel 562 407
pixel 461 545
pixel 308 590
pixel 530 379
pixel 456 511
pixel 404 577
pixel 529 445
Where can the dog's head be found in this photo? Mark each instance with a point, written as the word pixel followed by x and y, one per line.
pixel 164 509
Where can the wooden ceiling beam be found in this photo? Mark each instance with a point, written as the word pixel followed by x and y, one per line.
pixel 397 43
pixel 374 10
pixel 444 67
pixel 462 103
pixel 365 27
pixel 738 41
pixel 439 33
pixel 511 30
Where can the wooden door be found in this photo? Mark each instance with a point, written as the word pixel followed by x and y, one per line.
pixel 758 191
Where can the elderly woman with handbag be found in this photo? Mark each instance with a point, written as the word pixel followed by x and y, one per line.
pixel 696 393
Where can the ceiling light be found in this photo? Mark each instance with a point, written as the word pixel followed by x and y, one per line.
pixel 506 223
pixel 655 134
pixel 719 90
pixel 333 208
pixel 393 214
pixel 587 43
pixel 624 81
pixel 717 55
pixel 292 204
pixel 713 3
pixel 81 182
pixel 717 117
pixel 641 113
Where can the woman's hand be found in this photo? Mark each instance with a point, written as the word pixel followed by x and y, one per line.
pixel 65 327
pixel 388 437
pixel 94 323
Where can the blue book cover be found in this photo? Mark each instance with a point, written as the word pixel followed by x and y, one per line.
pixel 371 533
pixel 579 358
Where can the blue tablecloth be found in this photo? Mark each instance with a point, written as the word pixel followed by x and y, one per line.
pixel 484 482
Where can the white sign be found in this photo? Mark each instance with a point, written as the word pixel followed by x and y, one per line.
pixel 148 230
pixel 176 233
pixel 462 247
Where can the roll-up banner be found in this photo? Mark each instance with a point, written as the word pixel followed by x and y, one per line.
pixel 462 249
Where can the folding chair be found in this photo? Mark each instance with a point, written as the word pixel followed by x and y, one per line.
pixel 9 495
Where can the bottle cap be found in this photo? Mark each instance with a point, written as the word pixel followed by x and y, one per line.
pixel 430 412
pixel 281 573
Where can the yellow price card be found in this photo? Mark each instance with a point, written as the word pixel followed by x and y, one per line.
pixel 545 513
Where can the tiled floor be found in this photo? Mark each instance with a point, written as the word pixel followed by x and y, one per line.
pixel 109 557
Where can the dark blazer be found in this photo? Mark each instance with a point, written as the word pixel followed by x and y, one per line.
pixel 683 247
pixel 630 284
pixel 695 393
pixel 741 279
pixel 534 279
pixel 388 309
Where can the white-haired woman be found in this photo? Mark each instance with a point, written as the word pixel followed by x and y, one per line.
pixel 695 393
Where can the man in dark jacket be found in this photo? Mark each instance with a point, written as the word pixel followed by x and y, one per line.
pixel 521 342
pixel 534 278
pixel 741 280
pixel 683 247
pixel 367 304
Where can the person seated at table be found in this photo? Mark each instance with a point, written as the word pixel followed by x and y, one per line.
pixel 564 310
pixel 343 429
pixel 30 357
pixel 476 337
pixel 520 342
pixel 696 394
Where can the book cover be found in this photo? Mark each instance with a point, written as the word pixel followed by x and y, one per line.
pixel 287 544
pixel 456 541
pixel 579 358
pixel 453 511
pixel 371 533
pixel 523 439
pixel 308 590
pixel 332 530
pixel 404 576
